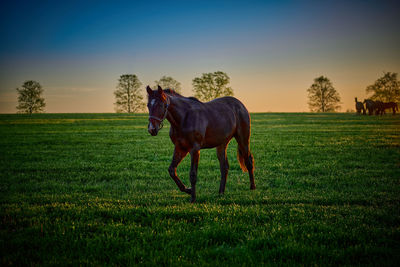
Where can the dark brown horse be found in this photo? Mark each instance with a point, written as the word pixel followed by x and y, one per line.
pixel 391 105
pixel 379 108
pixel 196 125
pixel 359 107
pixel 372 106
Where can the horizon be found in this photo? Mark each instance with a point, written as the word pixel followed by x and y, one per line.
pixel 272 51
pixel 145 112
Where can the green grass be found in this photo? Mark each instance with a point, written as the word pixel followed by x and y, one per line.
pixel 94 189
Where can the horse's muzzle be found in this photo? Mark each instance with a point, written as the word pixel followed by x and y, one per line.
pixel 152 130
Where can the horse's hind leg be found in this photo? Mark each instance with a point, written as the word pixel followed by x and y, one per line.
pixel 246 156
pixel 223 165
pixel 250 167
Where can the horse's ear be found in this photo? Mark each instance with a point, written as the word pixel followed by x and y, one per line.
pixel 149 91
pixel 162 94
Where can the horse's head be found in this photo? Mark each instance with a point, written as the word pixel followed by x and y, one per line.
pixel 157 104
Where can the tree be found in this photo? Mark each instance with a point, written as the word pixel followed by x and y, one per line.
pixel 169 82
pixel 212 85
pixel 386 88
pixel 323 97
pixel 30 98
pixel 128 96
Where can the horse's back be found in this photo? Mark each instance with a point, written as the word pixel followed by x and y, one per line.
pixel 238 111
pixel 229 103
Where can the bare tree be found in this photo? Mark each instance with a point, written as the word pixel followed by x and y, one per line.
pixel 30 98
pixel 212 85
pixel 323 97
pixel 386 88
pixel 168 82
pixel 128 96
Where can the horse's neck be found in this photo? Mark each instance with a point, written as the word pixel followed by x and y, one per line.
pixel 176 111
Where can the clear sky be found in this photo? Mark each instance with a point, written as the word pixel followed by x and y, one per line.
pixel 272 50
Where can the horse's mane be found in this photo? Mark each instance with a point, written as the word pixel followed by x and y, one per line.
pixel 174 93
pixel 194 98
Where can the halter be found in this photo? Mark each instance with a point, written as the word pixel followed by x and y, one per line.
pixel 165 115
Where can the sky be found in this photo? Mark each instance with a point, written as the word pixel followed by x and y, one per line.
pixel 271 50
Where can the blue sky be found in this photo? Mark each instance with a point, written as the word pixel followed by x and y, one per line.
pixel 272 50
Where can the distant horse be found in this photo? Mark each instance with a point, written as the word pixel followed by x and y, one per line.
pixel 370 106
pixel 391 105
pixel 359 107
pixel 196 125
pixel 379 108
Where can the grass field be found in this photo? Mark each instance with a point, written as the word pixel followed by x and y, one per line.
pixel 94 189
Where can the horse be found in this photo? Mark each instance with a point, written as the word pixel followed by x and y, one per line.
pixel 196 125
pixel 379 108
pixel 370 106
pixel 359 107
pixel 391 105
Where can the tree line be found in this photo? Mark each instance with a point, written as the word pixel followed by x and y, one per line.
pixel 129 96
pixel 322 96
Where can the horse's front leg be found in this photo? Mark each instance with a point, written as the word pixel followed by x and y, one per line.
pixel 179 155
pixel 195 156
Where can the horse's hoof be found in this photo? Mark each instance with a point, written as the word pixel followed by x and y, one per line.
pixel 253 187
pixel 192 200
pixel 188 191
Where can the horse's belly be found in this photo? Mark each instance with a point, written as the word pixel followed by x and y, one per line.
pixel 210 144
pixel 215 138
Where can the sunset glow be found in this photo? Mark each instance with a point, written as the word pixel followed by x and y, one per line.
pixel 271 50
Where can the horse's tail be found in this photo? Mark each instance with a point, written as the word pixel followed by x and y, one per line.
pixel 241 160
pixel 242 136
